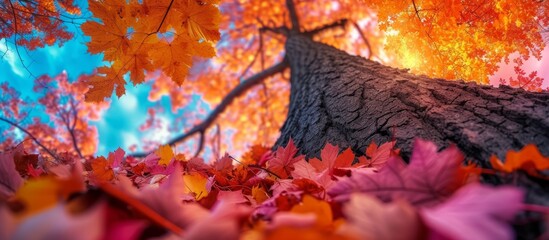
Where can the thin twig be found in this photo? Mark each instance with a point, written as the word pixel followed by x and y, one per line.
pixel 15 39
pixel 370 53
pixel 71 130
pixel 282 30
pixel 165 15
pixel 200 144
pixel 31 136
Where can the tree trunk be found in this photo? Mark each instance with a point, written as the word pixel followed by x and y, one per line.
pixel 351 101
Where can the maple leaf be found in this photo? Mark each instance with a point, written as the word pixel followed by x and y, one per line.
pixel 196 184
pixel 369 218
pixel 104 170
pixel 101 170
pixel 283 161
pixel 475 212
pixel 430 177
pixel 332 159
pixel 203 21
pixel 224 164
pixel 528 159
pixel 10 180
pixel 131 36
pixel 104 82
pixel 165 153
pixel 376 156
pixel 116 158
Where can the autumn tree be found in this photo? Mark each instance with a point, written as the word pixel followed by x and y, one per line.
pixel 271 51
pixel 66 133
pixel 332 102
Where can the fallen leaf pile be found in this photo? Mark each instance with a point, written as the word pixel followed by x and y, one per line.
pixel 264 195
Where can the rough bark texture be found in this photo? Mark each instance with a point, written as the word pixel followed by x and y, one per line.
pixel 350 101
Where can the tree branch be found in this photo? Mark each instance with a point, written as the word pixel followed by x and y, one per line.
pixel 72 127
pixel 31 136
pixel 293 15
pixel 370 53
pixel 283 30
pixel 15 40
pixel 339 23
pixel 229 98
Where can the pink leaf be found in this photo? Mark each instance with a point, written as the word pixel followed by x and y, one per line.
pixel 33 172
pixel 430 177
pixel 475 212
pixel 328 155
pixel 303 169
pixel 378 156
pixel 233 197
pixel 10 180
pixel 225 163
pixel 222 223
pixel 116 157
pixel 369 218
pixel 125 230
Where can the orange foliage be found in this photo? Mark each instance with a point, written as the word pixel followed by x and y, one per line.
pixel 144 36
pixel 460 39
pixel 36 23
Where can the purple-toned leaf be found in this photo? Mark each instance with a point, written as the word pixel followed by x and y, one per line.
pixel 429 179
pixel 475 212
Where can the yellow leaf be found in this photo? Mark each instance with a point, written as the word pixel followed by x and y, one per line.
pixel 259 194
pixel 196 184
pixel 166 155
pixel 42 193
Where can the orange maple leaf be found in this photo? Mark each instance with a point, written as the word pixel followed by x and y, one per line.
pixel 528 159
pixel 102 170
pixel 145 36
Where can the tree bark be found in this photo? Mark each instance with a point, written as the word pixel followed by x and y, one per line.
pixel 351 101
